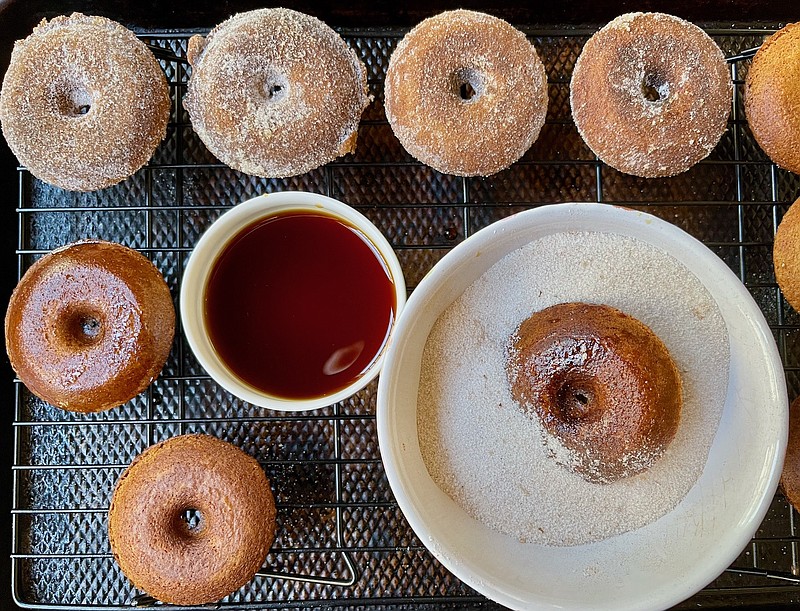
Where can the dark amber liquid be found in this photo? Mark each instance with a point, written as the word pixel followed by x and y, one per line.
pixel 299 305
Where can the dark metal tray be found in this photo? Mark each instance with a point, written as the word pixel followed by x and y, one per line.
pixel 342 539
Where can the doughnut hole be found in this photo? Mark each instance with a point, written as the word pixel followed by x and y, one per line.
pixel 273 87
pixel 654 87
pixel 188 522
pixel 80 325
pixel 73 99
pixel 575 398
pixel 468 84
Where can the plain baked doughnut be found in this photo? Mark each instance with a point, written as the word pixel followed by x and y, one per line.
pixel 786 255
pixel 772 97
pixel 89 326
pixel 601 382
pixel 275 93
pixel 651 94
pixel 191 519
pixel 84 103
pixel 466 93
pixel 790 476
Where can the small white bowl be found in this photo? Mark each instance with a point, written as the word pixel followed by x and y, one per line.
pixel 655 566
pixel 205 253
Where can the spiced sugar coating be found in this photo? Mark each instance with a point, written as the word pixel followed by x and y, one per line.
pixel 601 382
pixel 786 255
pixel 651 94
pixel 159 552
pixel 89 326
pixel 84 103
pixel 275 92
pixel 772 97
pixel 466 93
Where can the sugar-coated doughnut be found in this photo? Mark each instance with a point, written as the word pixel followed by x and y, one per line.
pixel 84 103
pixel 772 97
pixel 89 326
pixel 275 93
pixel 601 382
pixel 466 93
pixel 651 94
pixel 191 519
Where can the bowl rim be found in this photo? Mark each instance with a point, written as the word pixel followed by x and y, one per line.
pixel 400 469
pixel 216 237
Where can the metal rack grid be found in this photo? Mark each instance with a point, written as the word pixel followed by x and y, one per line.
pixel 342 539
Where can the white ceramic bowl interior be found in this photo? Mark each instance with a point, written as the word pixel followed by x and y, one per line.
pixel 650 568
pixel 209 246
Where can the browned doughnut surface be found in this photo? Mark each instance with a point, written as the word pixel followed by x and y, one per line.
pixel 786 255
pixel 772 97
pixel 466 93
pixel 89 326
pixel 197 561
pixel 84 103
pixel 790 476
pixel 275 93
pixel 601 382
pixel 651 94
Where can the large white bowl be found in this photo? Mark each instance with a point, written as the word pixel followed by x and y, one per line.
pixel 211 244
pixel 650 568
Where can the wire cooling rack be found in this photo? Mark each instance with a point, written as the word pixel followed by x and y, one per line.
pixel 342 539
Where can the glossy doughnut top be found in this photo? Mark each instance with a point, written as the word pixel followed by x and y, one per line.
pixel 601 382
pixel 89 326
